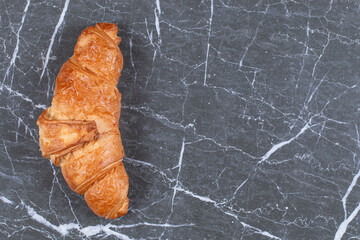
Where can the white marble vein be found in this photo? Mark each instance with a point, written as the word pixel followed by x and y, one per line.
pixel 208 40
pixel 6 200
pixel 20 121
pixel 279 145
pixel 306 105
pixel 347 219
pixel 10 159
pixel 223 146
pixel 343 226
pixel 16 49
pixel 146 111
pixel 149 33
pixel 56 180
pixel 250 43
pixel 194 195
pixel 306 49
pixel 348 191
pixel 131 58
pixel 89 231
pixel 226 212
pixel 23 97
pixel 179 165
pixel 62 229
pixel 58 25
pixel 320 56
pixel 151 166
pixel 157 12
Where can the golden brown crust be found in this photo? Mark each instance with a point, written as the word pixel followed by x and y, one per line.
pixel 104 198
pixel 80 131
pixel 84 163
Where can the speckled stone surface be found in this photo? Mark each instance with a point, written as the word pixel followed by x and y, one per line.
pixel 240 119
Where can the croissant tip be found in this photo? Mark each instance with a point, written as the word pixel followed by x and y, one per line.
pixel 110 29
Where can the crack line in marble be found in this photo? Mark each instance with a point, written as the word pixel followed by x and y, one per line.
pixel 56 180
pixel 178 173
pixel 89 231
pixel 20 120
pixel 15 52
pixel 279 145
pixel 205 199
pixel 343 226
pixel 10 159
pixel 61 20
pixel 348 191
pixel 229 213
pixel 157 13
pixel 131 56
pixel 149 34
pixel 208 40
pixel 157 169
pixel 152 68
pixel 6 200
pixel 251 42
pixel 320 56
pixel 306 49
pixel 11 178
pixel 22 96
pixel 306 105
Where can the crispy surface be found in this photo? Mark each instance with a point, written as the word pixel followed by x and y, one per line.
pixel 79 132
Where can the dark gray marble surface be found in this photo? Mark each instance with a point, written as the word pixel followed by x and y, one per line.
pixel 240 119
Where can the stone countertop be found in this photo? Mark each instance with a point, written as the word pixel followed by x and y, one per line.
pixel 240 119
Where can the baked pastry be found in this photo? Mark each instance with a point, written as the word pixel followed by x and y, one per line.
pixel 80 131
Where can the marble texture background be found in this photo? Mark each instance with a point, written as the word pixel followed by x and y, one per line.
pixel 240 119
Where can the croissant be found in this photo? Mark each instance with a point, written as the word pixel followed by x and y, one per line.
pixel 80 131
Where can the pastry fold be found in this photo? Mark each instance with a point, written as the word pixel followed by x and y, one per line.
pixel 59 137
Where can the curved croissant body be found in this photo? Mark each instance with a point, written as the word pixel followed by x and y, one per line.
pixel 80 131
